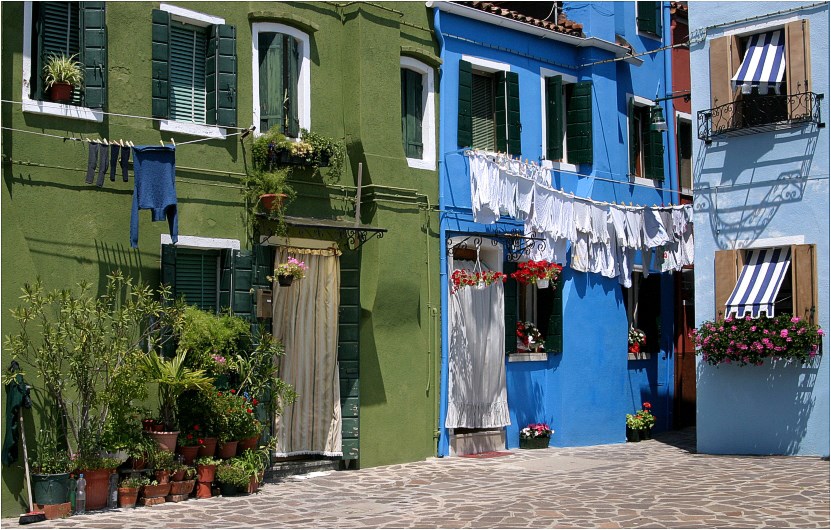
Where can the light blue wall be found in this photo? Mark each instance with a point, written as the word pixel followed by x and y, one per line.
pixel 741 196
pixel 585 391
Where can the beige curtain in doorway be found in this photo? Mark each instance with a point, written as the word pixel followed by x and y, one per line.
pixel 306 320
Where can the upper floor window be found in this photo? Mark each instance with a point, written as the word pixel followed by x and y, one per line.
pixel 646 147
pixel 568 120
pixel 489 116
pixel 281 78
pixel 648 16
pixel 70 29
pixel 684 145
pixel 418 113
pixel 194 69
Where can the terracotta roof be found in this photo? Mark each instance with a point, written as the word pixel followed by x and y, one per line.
pixel 678 8
pixel 513 11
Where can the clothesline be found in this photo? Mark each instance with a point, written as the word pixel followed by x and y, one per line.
pixel 104 141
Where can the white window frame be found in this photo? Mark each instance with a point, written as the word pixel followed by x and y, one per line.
pixel 687 118
pixel 428 118
pixel 639 102
pixel 36 106
pixel 633 300
pixel 646 33
pixel 202 20
pixel 568 79
pixel 486 65
pixel 205 243
pixel 304 92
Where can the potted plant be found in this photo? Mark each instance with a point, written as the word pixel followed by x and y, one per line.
pixel 162 463
pixel 205 474
pixel 529 338
pixel 461 278
pixel 184 478
pixel 634 424
pixel 255 461
pixel 637 339
pixel 173 378
pixel 325 152
pixel 648 421
pixel 539 273
pixel 289 271
pixel 97 471
pixel 50 470
pixel 535 436
pixel 61 74
pixel 232 476
pixel 128 491
pixel 139 451
pixel 155 490
pixel 189 444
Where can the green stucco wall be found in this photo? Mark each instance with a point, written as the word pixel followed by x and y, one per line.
pixel 57 227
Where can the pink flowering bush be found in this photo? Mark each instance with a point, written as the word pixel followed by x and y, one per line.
pixel 750 340
pixel 536 430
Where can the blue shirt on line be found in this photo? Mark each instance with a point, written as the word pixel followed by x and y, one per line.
pixel 155 187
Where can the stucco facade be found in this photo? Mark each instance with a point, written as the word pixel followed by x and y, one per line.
pixel 765 189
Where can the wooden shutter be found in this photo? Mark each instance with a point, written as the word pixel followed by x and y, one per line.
pixel 411 112
pixel 57 28
pixel 804 278
pixel 798 65
pixel 724 60
pixel 511 302
pixel 192 274
pixel 271 80
pixel 483 132
pixel 94 56
pixel 649 17
pixel 514 124
pixel 236 275
pixel 554 118
pixel 579 124
pixel 464 130
pixel 633 137
pixel 292 75
pixel 554 338
pixel 349 320
pixel 221 76
pixel 188 49
pixel 654 155
pixel 500 112
pixel 728 266
pixel 161 64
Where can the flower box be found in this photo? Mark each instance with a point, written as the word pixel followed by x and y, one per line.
pixel 540 442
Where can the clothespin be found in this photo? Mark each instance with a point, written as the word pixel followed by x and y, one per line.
pixel 121 142
pixel 173 141
pixel 104 141
pixel 161 142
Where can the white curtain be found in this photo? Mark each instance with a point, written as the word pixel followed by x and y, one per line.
pixel 306 321
pixel 476 395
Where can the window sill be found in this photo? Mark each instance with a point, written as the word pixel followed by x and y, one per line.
pixel 59 109
pixel 526 357
pixel 418 163
pixel 649 35
pixel 642 181
pixel 193 129
pixel 560 166
pixel 642 356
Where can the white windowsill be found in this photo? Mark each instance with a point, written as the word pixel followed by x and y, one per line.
pixel 418 163
pixel 559 166
pixel 59 109
pixel 643 181
pixel 642 356
pixel 201 242
pixel 525 357
pixel 193 129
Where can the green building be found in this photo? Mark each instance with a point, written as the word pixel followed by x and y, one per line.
pixel 198 74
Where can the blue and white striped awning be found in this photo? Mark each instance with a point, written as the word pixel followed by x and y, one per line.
pixel 759 282
pixel 763 65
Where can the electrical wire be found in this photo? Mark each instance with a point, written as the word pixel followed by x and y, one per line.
pixel 81 139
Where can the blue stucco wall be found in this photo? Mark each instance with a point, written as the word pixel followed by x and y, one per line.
pixel 585 391
pixel 741 200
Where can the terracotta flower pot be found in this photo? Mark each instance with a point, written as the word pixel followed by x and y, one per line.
pixel 188 453
pixel 166 440
pixel 272 200
pixel 248 443
pixel 127 497
pixel 179 476
pixel 253 484
pixel 205 473
pixel 203 490
pixel 98 486
pixel 61 92
pixel 182 487
pixel 138 463
pixel 208 448
pixel 227 450
pixel 151 492
pixel 162 476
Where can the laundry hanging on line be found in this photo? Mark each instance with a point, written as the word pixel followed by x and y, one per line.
pixel 105 155
pixel 154 170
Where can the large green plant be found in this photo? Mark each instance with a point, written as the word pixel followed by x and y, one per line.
pixel 173 378
pixel 212 342
pixel 84 349
pixel 258 374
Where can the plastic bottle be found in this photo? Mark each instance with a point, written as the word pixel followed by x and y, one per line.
pixel 81 495
pixel 112 500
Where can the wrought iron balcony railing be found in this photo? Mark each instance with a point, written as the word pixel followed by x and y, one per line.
pixel 753 113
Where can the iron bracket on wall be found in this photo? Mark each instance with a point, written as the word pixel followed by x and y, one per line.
pixel 516 243
pixel 354 235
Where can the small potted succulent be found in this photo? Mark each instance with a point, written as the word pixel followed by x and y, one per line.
pixel 62 74
pixel 287 272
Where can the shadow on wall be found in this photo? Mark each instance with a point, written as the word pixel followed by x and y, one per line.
pixel 526 397
pixel 118 257
pixel 759 409
pixel 742 210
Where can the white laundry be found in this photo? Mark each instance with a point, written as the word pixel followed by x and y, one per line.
pixel 617 218
pixel 542 219
pixel 654 234
pixel 507 192
pixel 602 259
pixel 582 217
pixel 580 252
pixel 565 227
pixel 600 222
pixel 687 246
pixel 634 228
pixel 626 264
pixel 666 221
pixel 524 197
pixel 484 183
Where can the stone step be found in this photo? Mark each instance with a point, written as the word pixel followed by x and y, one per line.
pixel 282 470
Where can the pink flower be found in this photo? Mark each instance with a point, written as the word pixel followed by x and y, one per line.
pixel 783 333
pixel 795 319
pixel 820 332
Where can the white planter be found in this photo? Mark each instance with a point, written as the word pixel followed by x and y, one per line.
pixel 542 284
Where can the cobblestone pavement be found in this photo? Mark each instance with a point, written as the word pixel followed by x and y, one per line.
pixel 658 483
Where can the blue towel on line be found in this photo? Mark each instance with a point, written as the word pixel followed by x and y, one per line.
pixel 154 167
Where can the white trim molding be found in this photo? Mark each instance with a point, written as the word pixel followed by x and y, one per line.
pixel 193 129
pixel 770 242
pixel 201 242
pixel 486 65
pixel 304 84
pixel 428 119
pixel 191 17
pixel 568 79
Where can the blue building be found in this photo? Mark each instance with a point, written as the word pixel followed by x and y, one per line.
pixel 569 96
pixel 760 88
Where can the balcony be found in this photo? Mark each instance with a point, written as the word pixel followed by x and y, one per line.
pixel 753 113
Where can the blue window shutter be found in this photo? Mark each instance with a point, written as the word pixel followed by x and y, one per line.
pixel 464 130
pixel 554 117
pixel 221 76
pixel 579 124
pixel 161 63
pixel 94 37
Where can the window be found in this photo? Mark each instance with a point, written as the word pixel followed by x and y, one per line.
pixel 732 71
pixel 418 114
pixel 648 15
pixel 65 28
pixel 646 147
pixel 543 307
pixel 489 116
pixel 643 309
pixel 281 66
pixel 773 280
pixel 684 146
pixel 194 69
pixel 568 120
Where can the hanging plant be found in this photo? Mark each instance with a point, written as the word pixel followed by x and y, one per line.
pixel 536 271
pixel 461 278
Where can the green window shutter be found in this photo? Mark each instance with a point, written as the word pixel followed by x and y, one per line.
pixel 511 302
pixel 236 270
pixel 292 76
pixel 464 130
pixel 221 76
pixel 554 338
pixel 654 155
pixel 192 274
pixel 161 63
pixel 514 124
pixel 188 48
pixel 94 36
pixel 349 320
pixel 271 80
pixel 411 112
pixel 554 117
pixel 58 32
pixel 483 132
pixel 500 112
pixel 579 124
pixel 168 273
pixel 649 17
pixel 633 137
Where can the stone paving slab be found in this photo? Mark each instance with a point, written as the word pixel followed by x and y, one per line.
pixel 658 483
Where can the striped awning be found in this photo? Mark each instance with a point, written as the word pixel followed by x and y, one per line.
pixel 759 282
pixel 763 65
